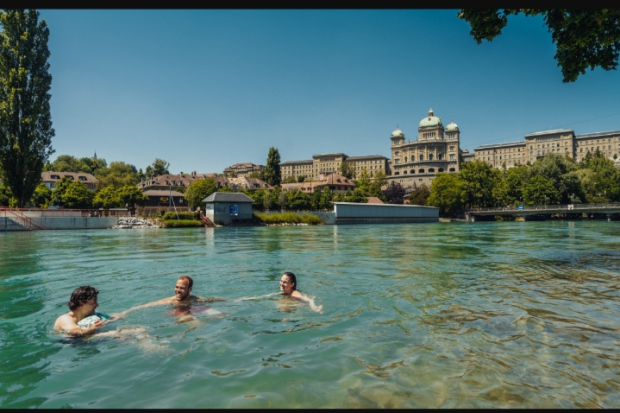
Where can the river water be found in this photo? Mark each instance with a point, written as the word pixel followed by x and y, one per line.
pixel 486 314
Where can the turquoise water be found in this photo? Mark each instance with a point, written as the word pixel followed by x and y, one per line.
pixel 487 314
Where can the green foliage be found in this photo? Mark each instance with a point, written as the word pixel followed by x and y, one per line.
pixel 540 191
pixel 107 198
pixel 448 194
pixel 322 198
pixel 301 178
pixel 289 180
pixel 59 191
pixel 357 196
pixel 555 168
pixel 254 175
pixel 583 37
pixel 347 169
pixel 131 196
pixel 118 174
pixel 182 223
pixel 159 167
pixel 181 216
pixel 77 196
pixel 225 189
pixel 297 200
pixel 288 218
pixel 271 172
pixel 363 183
pixel 395 193
pixel 479 179
pixel 25 120
pixel 199 190
pixel 41 196
pixel 420 195
pixel 374 189
pixel 5 195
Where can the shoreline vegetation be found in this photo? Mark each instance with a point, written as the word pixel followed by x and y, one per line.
pixel 287 218
pixel 181 220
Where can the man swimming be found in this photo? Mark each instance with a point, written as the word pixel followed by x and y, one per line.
pixel 182 300
pixel 81 319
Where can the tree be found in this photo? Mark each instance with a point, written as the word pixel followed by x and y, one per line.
pixel 289 180
pixel 347 169
pixel 358 196
pixel 41 196
pixel 374 189
pixel 540 191
pixel 584 37
pixel 322 198
pixel 555 167
pixel 266 199
pixel 59 191
pixel 301 178
pixel 199 190
pixel 363 183
pixel 107 197
pixel 254 175
pixel 131 195
pixel 420 195
pixel 271 171
pixel 118 174
pixel 479 178
pixel 395 193
pixel 282 200
pixel 447 194
pixel 25 120
pixel 297 200
pixel 5 195
pixel 77 195
pixel 159 167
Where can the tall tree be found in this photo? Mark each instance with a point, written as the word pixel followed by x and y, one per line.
pixel 199 190
pixel 479 179
pixel 420 195
pixel 447 194
pixel 271 172
pixel 159 167
pixel 347 169
pixel 25 120
pixel 584 37
pixel 395 193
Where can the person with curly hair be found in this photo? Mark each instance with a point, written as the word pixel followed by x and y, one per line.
pixel 81 319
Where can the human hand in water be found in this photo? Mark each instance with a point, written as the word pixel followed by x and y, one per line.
pixel 318 309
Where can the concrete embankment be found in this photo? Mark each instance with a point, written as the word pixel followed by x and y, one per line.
pixel 76 222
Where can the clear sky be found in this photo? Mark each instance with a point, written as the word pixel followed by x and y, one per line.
pixel 204 89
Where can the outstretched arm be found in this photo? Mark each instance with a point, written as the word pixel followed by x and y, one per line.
pixel 255 297
pixel 69 326
pixel 138 307
pixel 300 296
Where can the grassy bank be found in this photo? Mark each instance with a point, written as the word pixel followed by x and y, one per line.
pixel 181 223
pixel 288 218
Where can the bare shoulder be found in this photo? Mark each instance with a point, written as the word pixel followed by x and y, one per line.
pixel 65 322
pixel 296 294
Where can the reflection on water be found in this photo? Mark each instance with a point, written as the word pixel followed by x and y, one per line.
pixel 516 314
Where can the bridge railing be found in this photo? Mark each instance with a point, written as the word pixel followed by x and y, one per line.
pixel 567 207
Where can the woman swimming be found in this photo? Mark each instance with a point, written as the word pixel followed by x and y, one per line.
pixel 288 287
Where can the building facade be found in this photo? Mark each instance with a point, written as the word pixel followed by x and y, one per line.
pixel 242 169
pixel 329 163
pixel 436 149
pixel 175 182
pixel 537 145
pixel 337 183
pixel 51 179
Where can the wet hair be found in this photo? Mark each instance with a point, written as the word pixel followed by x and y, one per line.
pixel 291 278
pixel 81 296
pixel 188 279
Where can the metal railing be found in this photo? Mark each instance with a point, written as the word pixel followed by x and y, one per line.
pixel 566 207
pixel 26 222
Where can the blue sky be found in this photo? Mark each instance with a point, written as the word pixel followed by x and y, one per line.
pixel 204 89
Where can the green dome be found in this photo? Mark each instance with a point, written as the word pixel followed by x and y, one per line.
pixel 430 120
pixel 452 126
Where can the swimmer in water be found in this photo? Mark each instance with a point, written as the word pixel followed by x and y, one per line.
pixel 288 287
pixel 81 319
pixel 182 301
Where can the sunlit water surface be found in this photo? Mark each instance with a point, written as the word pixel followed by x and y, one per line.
pixel 420 315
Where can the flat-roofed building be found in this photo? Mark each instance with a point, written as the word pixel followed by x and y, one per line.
pixel 559 141
pixel 51 179
pixel 330 163
pixel 372 163
pixel 297 169
pixel 337 183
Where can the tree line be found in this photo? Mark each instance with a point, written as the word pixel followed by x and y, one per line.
pixel 551 180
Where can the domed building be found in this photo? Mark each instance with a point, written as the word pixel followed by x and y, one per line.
pixel 436 149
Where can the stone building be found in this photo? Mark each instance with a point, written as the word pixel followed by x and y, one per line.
pixel 337 183
pixel 175 182
pixel 329 163
pixel 242 169
pixel 537 145
pixel 436 149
